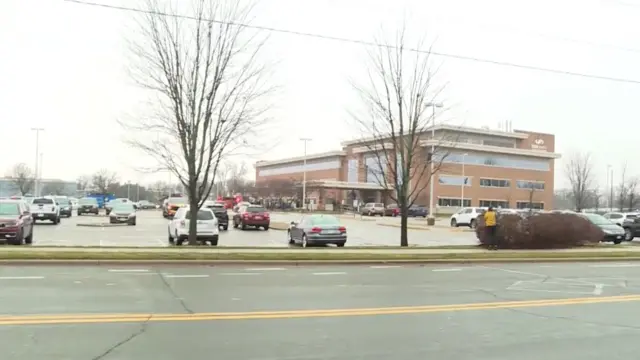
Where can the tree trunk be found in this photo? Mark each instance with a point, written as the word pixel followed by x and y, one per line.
pixel 193 221
pixel 404 236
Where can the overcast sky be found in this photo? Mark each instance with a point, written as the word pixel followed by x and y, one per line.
pixel 62 67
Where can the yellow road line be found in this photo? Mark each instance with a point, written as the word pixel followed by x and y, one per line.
pixel 291 314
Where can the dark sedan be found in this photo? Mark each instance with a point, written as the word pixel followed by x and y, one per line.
pixel 317 230
pixel 417 211
pixel 88 206
pixel 612 232
pixel 220 211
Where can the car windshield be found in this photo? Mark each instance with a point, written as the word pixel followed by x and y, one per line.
pixel 324 220
pixel 177 200
pixel 632 216
pixel 123 207
pixel 62 201
pixel 597 219
pixel 9 209
pixel 217 206
pixel 41 201
pixel 255 209
pixel 202 215
pixel 88 201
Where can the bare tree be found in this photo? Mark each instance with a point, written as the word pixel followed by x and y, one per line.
pixel 579 173
pixel 632 193
pixel 203 70
pixel 22 177
pixel 236 177
pixel 596 197
pixel 55 187
pixel 103 180
pixel 83 182
pixel 399 101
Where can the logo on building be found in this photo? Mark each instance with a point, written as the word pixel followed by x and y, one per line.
pixel 538 144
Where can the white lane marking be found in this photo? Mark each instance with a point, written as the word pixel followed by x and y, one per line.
pixel 187 276
pixel 445 270
pixel 512 271
pixel 614 265
pixel 21 277
pixel 330 273
pixel 239 274
pixel 129 270
pixel 384 266
pixel 265 269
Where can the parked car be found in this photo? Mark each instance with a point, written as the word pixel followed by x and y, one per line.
pixel 45 209
pixel 207 227
pixel 109 205
pixel 372 209
pixel 123 213
pixel 253 215
pixel 417 211
pixel 88 205
pixel 392 210
pixel 242 203
pixel 65 206
pixel 317 229
pixel 612 232
pixel 220 211
pixel 619 218
pixel 172 205
pixel 145 205
pixel 16 223
pixel 630 225
pixel 466 216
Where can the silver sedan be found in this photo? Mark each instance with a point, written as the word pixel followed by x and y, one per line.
pixel 317 230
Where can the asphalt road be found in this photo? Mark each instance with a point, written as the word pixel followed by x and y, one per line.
pixel 552 312
pixel 151 230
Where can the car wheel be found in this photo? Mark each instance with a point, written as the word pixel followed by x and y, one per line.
pixel 305 242
pixel 235 225
pixel 226 227
pixel 56 221
pixel 266 227
pixel 617 241
pixel 171 241
pixel 289 238
pixel 341 244
pixel 79 214
pixel 454 223
pixel 472 224
pixel 179 241
pixel 243 226
pixel 628 235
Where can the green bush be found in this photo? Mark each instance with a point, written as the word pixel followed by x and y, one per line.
pixel 540 231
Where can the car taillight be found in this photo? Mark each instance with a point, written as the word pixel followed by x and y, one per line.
pixel 342 229
pixel 245 215
pixel 266 215
pixel 316 230
pixel 183 223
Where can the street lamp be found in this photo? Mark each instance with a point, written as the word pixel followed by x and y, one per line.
pixel 36 170
pixel 464 182
pixel 433 149
pixel 610 177
pixel 304 173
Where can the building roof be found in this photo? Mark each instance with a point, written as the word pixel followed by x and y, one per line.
pixel 463 129
pixel 316 156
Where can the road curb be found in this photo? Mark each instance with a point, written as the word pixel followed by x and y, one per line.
pixel 460 261
pixel 409 227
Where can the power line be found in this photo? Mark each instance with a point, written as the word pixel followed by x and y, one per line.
pixel 363 42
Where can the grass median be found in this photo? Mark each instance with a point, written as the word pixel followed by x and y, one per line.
pixel 301 255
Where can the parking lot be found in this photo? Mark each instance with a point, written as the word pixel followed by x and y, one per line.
pixel 151 230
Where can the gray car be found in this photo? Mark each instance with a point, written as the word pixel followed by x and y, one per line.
pixel 317 230
pixel 122 213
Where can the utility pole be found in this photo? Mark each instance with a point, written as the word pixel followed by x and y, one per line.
pixel 304 173
pixel 433 149
pixel 37 169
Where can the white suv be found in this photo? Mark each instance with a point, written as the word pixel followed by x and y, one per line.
pixel 44 208
pixel 466 216
pixel 207 227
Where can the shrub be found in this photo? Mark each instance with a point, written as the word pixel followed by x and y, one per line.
pixel 540 231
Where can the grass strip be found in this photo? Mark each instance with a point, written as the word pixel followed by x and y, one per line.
pixel 38 254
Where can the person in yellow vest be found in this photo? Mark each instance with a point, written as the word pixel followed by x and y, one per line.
pixel 490 227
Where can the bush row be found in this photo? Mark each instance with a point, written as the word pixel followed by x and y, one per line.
pixel 540 231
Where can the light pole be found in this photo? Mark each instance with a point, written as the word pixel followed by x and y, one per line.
pixel 304 173
pixel 610 168
pixel 464 182
pixel 36 170
pixel 433 149
pixel 129 190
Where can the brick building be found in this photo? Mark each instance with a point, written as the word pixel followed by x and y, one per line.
pixel 509 169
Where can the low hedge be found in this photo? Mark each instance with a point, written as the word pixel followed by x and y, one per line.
pixel 540 231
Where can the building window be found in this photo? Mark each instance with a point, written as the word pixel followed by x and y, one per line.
pixel 299 168
pixel 505 161
pixel 376 167
pixel 499 183
pixel 526 184
pixel 528 205
pixel 495 203
pixel 453 202
pixel 454 180
pixel 505 144
pixel 352 171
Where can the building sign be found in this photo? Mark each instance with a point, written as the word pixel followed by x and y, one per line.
pixel 538 144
